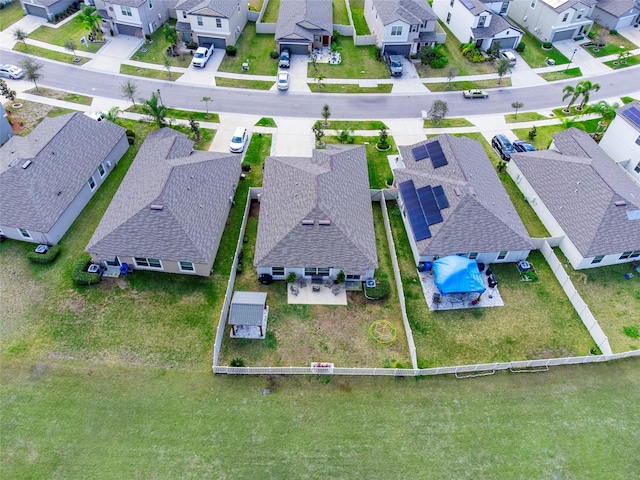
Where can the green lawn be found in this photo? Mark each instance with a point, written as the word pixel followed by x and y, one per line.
pixel 629 62
pixel 448 123
pixel 271 12
pixel 182 114
pixel 74 30
pixel 468 85
pixel 379 170
pixel 357 62
pixel 266 122
pixel 561 75
pixel 357 14
pixel 340 15
pixel 206 136
pixel 244 83
pixel 545 134
pixel 524 117
pixel 10 14
pixel 255 48
pixel 613 44
pixel 149 73
pixel 156 51
pixel 50 54
pixel 535 55
pixel 61 95
pixel 349 88
pixel 356 125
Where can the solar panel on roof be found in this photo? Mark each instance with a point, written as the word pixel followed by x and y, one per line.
pixel 441 197
pixel 437 155
pixel 420 153
pixel 468 3
pixel 429 205
pixel 414 210
pixel 633 114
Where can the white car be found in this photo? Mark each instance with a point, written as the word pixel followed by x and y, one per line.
pixel 509 56
pixel 11 71
pixel 239 140
pixel 283 81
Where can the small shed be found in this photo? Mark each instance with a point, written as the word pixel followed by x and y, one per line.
pixel 248 315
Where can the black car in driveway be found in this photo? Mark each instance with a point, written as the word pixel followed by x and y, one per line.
pixel 503 146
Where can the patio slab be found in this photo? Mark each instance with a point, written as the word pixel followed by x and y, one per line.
pixel 320 296
pixel 490 298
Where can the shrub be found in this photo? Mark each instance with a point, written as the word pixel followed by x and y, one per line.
pixel 340 277
pixel 246 167
pixel 291 278
pixel 591 35
pixel 236 362
pixel 192 45
pixel 80 275
pixel 274 54
pixel 389 180
pixel 131 136
pixel 533 133
pixel 613 32
pixel 231 50
pixel 520 47
pixel 44 258
pixel 547 45
pixel 631 331
pixel 379 292
pixel 578 38
pixel 239 269
pixel 439 62
pixel 378 53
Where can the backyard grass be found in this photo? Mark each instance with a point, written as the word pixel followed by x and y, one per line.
pixel 255 48
pixel 377 162
pixel 266 122
pixel 545 134
pixel 60 95
pixel 524 117
pixel 300 334
pixel 255 5
pixel 244 83
pixel 357 14
pixel 561 74
pixel 156 51
pixel 73 29
pixel 613 299
pixel 536 321
pixel 149 73
pixel 356 125
pixel 349 88
pixel 181 114
pixel 629 62
pixel 357 62
pixel 50 54
pixel 206 136
pixel 271 12
pixel 448 123
pixel 535 55
pixel 468 85
pixel 340 15
pixel 10 14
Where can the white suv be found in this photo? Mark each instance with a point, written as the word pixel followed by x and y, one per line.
pixel 239 140
pixel 509 56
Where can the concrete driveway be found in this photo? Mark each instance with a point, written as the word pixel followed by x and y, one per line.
pixel 297 74
pixel 294 137
pixel 118 49
pixel 522 74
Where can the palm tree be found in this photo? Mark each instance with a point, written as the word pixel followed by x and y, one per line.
pixel 21 35
pixel 606 110
pixel 586 87
pixel 155 109
pixel 113 114
pixel 206 101
pixel 91 19
pixel 573 92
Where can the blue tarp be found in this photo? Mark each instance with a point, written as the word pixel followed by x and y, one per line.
pixel 455 274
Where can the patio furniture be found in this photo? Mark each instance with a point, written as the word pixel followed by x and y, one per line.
pixel 316 288
pixel 336 289
pixel 329 283
pixel 437 298
pixel 302 283
pixel 294 290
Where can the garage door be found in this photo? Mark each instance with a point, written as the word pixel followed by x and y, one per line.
pixel 564 35
pixel 216 42
pixel 37 11
pixel 129 30
pixel 296 48
pixel 506 43
pixel 401 49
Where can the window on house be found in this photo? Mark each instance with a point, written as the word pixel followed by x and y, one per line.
pixel 147 262
pixel 533 3
pixel 625 255
pixel 353 277
pixel 218 23
pixel 184 14
pixel 451 3
pixel 504 7
pixel 502 255
pixel 238 8
pixel 414 28
pixel 186 267
pixel 199 20
pixel 448 17
pixel 316 271
pixel 150 4
pixel 24 233
pixel 101 170
pixel 564 18
pixel 580 12
pixel 396 30
pixel 597 259
pixel 638 140
pixel 92 183
pixel 473 255
pixel 637 169
pixel 481 21
pixel 635 254
pixel 126 11
pixel 277 270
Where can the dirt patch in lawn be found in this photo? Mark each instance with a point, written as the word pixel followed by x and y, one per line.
pixel 25 118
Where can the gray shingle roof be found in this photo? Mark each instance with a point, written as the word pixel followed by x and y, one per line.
pixel 128 3
pixel 46 3
pixel 412 12
pixel 562 5
pixel 64 151
pixel 192 187
pixel 498 24
pixel 480 219
pixel 332 185
pixel 619 112
pixel 617 8
pixel 247 308
pixel 300 19
pixel 475 6
pixel 210 8
pixel 580 186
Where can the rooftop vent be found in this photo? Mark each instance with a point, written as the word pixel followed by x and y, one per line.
pixel 156 206
pixel 621 203
pixel 324 222
pixel 308 221
pixel 472 191
pixel 457 191
pixel 26 164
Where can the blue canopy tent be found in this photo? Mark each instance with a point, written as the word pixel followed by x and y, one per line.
pixel 456 274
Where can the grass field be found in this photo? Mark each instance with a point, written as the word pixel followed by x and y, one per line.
pixel 357 13
pixel 244 83
pixel 448 123
pixel 524 117
pixel 340 15
pixel 149 73
pixel 468 85
pixel 535 55
pixel 182 114
pixel 613 44
pixel 10 14
pixel 349 88
pixel 255 48
pixel 73 29
pixel 629 62
pixel 356 125
pixel 266 122
pixel 60 95
pixel 357 62
pixel 561 74
pixel 50 54
pixel 271 12
pixel 545 134
pixel 156 51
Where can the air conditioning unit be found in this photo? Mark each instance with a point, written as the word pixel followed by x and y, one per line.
pixel 524 18
pixel 108 163
pixel 160 16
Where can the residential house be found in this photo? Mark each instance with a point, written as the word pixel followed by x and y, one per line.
pixel 401 27
pixel 616 14
pixel 621 141
pixel 49 176
pixel 316 217
pixel 453 203
pixel 45 8
pixel 304 25
pixel 218 22
pixel 582 197
pixel 554 20
pixel 132 17
pixel 6 132
pixel 170 210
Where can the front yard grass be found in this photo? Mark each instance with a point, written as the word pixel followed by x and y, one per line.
pixel 535 55
pixel 629 62
pixel 524 117
pixel 50 54
pixel 61 95
pixel 340 15
pixel 613 299
pixel 468 85
pixel 181 114
pixel 74 30
pixel 300 334
pixel 357 14
pixel 244 83
pixel 561 74
pixel 356 125
pixel 349 88
pixel 545 134
pixel 536 321
pixel 156 51
pixel 256 49
pixel 613 43
pixel 149 73
pixel 266 122
pixel 357 62
pixel 448 123
pixel 10 14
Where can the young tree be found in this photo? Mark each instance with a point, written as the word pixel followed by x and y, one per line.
pixel 113 114
pixel 206 101
pixel 451 74
pixel 426 54
pixel 517 106
pixel 533 133
pixel 167 64
pixel 155 110
pixel 494 50
pixel 21 35
pixel 318 131
pixel 586 87
pixel 326 113
pixel 6 92
pixel 502 68
pixel 129 90
pixel 70 46
pixel 438 110
pixel 601 38
pixel 319 79
pixel 383 139
pixel 32 70
pixel 345 136
pixel 195 127
pixel 606 110
pixel 573 93
pixel 171 35
pixel 91 19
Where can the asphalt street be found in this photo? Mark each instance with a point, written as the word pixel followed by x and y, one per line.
pixel 354 106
